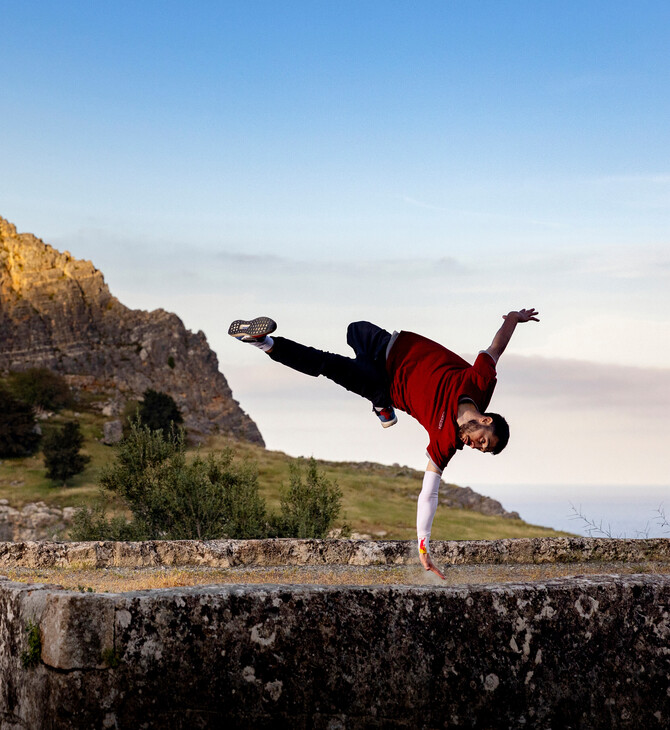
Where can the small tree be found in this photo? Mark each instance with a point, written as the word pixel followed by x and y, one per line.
pixel 205 498
pixel 309 506
pixel 158 411
pixel 173 499
pixel 61 452
pixel 19 435
pixel 41 388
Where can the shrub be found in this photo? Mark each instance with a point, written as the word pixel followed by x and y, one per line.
pixel 159 411
pixel 173 499
pixel 211 497
pixel 129 414
pixel 309 506
pixel 41 388
pixel 91 523
pixel 61 447
pixel 19 435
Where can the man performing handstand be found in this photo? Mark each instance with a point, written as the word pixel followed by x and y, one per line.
pixel 403 370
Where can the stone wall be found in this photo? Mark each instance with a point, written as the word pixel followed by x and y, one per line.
pixel 233 553
pixel 570 653
pixel 576 653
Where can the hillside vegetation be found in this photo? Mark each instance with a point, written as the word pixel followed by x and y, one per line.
pixel 377 500
pixel 58 314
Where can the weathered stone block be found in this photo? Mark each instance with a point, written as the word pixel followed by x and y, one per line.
pixel 112 432
pixel 77 631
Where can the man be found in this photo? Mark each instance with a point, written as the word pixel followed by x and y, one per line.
pixel 403 370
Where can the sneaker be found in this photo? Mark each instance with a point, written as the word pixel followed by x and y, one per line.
pixel 387 416
pixel 253 330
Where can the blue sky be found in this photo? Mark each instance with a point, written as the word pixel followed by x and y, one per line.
pixel 428 166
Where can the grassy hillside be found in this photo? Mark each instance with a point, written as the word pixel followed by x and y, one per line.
pixel 377 500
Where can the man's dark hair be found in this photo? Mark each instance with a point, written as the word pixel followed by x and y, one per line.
pixel 500 431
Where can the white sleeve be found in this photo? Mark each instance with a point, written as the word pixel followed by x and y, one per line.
pixel 491 355
pixel 425 509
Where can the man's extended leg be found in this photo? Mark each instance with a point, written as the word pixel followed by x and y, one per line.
pixel 364 375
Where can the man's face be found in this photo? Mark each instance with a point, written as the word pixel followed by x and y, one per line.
pixel 478 436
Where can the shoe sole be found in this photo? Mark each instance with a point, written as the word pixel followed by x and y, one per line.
pixel 240 329
pixel 388 424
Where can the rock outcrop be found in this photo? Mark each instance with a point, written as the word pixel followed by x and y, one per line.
pixel 57 312
pixel 466 498
pixel 34 521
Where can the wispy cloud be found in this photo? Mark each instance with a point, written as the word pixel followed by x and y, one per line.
pixel 421 204
pixel 574 385
pixel 486 215
pixel 606 262
pixel 372 269
pixel 639 263
pixel 251 258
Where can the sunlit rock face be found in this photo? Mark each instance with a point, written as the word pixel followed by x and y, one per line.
pixel 57 312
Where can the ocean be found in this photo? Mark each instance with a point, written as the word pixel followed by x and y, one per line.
pixel 588 510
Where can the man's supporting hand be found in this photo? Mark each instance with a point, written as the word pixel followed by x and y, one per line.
pixel 429 565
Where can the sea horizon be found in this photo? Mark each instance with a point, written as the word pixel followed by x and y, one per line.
pixel 630 511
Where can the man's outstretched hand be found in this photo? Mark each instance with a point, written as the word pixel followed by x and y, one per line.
pixel 523 315
pixel 429 565
pixel 503 335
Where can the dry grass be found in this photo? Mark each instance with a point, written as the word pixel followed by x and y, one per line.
pixel 121 580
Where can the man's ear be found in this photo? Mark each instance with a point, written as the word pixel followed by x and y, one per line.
pixel 486 420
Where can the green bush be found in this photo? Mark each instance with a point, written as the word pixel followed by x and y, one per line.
pixel 41 388
pixel 61 449
pixel 92 523
pixel 310 505
pixel 205 498
pixel 19 435
pixel 129 414
pixel 173 499
pixel 158 411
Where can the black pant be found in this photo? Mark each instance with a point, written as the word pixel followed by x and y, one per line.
pixel 365 374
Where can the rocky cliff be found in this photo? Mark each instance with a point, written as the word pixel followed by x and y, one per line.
pixel 57 312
